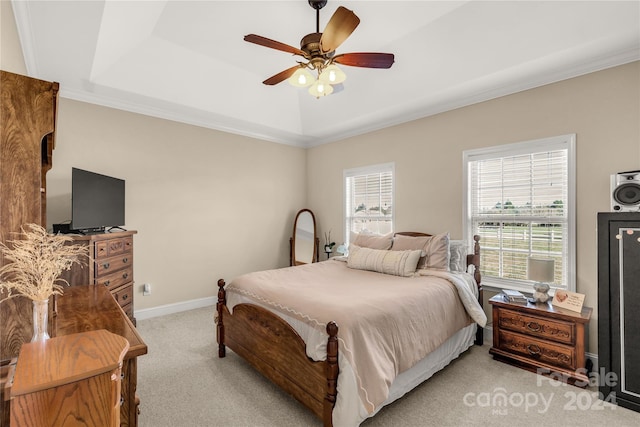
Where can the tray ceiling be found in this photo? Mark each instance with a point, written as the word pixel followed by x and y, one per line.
pixel 187 61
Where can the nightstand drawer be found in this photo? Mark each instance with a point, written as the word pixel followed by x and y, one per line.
pixel 539 350
pixel 555 330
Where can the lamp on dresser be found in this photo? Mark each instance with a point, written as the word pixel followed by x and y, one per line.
pixel 540 271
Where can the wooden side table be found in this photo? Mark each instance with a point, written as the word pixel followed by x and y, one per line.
pixel 542 338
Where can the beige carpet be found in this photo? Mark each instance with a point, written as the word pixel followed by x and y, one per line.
pixel 181 382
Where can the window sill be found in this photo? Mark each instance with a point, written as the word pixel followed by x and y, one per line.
pixel 495 286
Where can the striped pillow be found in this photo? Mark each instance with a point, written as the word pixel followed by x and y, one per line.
pixel 397 263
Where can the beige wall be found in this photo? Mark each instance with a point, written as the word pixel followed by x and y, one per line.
pixel 206 204
pixel 602 109
pixel 11 58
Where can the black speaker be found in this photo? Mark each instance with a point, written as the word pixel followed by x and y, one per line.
pixel 625 191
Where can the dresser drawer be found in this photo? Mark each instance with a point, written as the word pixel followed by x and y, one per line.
pixel 550 329
pixel 128 310
pixel 539 350
pixel 123 295
pixel 111 247
pixel 109 265
pixel 115 279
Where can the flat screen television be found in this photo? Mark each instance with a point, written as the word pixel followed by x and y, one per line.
pixel 97 201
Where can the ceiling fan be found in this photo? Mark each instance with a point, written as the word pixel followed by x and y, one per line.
pixel 318 50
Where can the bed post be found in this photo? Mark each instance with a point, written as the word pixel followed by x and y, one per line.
pixel 332 373
pixel 478 277
pixel 222 301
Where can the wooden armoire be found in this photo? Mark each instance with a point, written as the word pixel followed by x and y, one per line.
pixel 27 136
pixel 618 303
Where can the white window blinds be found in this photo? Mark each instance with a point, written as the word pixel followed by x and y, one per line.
pixel 369 198
pixel 520 200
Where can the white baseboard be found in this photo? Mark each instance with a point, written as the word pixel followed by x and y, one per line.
pixel 163 310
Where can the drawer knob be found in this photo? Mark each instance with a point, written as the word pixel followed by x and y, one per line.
pixel 106 265
pixel 534 350
pixel 124 297
pixel 125 275
pixel 125 259
pixel 106 282
pixel 533 326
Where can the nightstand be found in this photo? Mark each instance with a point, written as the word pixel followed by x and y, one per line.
pixel 542 338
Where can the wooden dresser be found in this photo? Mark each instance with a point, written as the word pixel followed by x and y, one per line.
pixel 71 377
pixel 541 338
pixel 110 265
pixel 88 308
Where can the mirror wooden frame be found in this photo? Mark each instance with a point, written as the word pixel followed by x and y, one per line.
pixel 292 240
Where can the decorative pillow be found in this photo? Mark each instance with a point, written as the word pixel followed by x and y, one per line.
pixel 458 255
pixel 373 241
pixel 436 249
pixel 398 263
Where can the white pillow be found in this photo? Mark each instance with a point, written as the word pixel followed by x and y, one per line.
pixel 397 263
pixel 458 255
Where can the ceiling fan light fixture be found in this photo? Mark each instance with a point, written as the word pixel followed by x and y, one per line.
pixel 319 51
pixel 301 78
pixel 320 88
pixel 332 75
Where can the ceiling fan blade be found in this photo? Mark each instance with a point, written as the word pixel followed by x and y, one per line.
pixel 365 59
pixel 339 27
pixel 281 76
pixel 263 41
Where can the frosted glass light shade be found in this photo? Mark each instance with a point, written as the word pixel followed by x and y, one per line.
pixel 320 88
pixel 540 270
pixel 301 78
pixel 332 75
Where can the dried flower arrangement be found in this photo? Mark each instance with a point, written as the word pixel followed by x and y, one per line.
pixel 37 262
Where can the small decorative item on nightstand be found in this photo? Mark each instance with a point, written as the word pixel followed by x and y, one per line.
pixel 541 271
pixel 328 244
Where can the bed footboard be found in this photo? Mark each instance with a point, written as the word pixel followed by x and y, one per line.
pixel 276 350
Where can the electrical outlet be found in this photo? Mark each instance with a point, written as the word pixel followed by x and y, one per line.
pixel 146 289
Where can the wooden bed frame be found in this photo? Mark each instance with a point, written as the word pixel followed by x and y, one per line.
pixel 276 350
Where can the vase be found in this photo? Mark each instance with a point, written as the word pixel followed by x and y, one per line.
pixel 40 320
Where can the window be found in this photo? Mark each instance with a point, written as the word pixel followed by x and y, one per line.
pixel 520 199
pixel 369 197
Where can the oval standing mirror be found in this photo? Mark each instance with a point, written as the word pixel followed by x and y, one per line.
pixel 304 243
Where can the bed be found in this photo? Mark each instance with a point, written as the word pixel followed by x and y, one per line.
pixel 298 325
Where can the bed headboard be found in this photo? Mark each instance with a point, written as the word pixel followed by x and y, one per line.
pixel 472 259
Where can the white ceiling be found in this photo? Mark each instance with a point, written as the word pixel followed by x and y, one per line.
pixel 187 61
